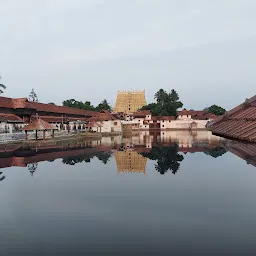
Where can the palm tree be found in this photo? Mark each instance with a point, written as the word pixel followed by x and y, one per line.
pixel 2 87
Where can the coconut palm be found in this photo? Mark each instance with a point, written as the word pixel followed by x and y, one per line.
pixel 2 87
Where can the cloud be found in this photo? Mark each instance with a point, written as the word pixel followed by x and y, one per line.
pixel 48 45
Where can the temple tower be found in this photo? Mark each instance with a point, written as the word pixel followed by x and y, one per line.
pixel 130 162
pixel 129 101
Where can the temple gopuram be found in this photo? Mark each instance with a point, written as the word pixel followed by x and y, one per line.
pixel 129 101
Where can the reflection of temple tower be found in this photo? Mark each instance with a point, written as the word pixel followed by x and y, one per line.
pixel 130 161
pixel 129 101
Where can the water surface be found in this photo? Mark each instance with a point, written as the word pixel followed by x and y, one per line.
pixel 175 193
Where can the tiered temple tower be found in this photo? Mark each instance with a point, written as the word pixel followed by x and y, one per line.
pixel 129 101
pixel 130 162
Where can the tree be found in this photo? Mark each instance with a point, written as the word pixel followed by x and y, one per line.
pixel 2 87
pixel 166 103
pixel 78 104
pixel 216 110
pixel 33 96
pixel 104 105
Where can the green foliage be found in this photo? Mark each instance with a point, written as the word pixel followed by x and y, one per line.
pixel 166 103
pixel 216 110
pixel 104 105
pixel 167 158
pixel 2 87
pixel 104 157
pixel 215 152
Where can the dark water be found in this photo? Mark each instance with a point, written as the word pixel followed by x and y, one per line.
pixel 181 195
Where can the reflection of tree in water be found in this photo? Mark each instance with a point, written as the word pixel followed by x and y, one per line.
pixel 104 156
pixel 32 168
pixel 167 158
pixel 72 160
pixel 215 152
pixel 2 177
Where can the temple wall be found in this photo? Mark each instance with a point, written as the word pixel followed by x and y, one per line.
pixel 11 137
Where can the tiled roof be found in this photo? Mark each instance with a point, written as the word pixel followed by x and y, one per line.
pixel 50 108
pixel 105 116
pixel 15 103
pixel 197 114
pixel 142 113
pixel 165 117
pixel 39 125
pixel 238 123
pixel 20 103
pixel 10 118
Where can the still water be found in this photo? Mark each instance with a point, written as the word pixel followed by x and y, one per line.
pixel 174 193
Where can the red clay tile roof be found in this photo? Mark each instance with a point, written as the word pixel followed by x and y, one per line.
pixel 41 107
pixel 165 117
pixel 142 113
pixel 15 103
pixel 10 118
pixel 106 116
pixel 39 125
pixel 197 114
pixel 50 108
pixel 238 123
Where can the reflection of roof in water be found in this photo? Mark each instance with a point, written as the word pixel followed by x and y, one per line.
pixel 244 150
pixel 21 157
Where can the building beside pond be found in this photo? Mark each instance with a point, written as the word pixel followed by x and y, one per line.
pixel 16 113
pixel 185 120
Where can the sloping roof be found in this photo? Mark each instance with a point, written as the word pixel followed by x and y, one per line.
pixel 105 116
pixel 197 114
pixel 10 118
pixel 41 107
pixel 142 113
pixel 15 103
pixel 238 123
pixel 165 117
pixel 94 124
pixel 20 103
pixel 39 125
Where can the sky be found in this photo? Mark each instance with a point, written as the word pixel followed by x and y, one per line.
pixel 90 49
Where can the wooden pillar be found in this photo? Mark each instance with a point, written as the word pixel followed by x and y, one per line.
pixel 36 134
pixel 43 134
pixel 26 135
pixel 52 133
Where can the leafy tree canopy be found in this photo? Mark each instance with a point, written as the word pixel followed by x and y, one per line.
pixel 104 105
pixel 216 110
pixel 166 103
pixel 2 87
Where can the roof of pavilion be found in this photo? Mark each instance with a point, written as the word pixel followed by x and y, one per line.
pixel 39 125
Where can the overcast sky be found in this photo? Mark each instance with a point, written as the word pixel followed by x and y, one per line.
pixel 89 49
